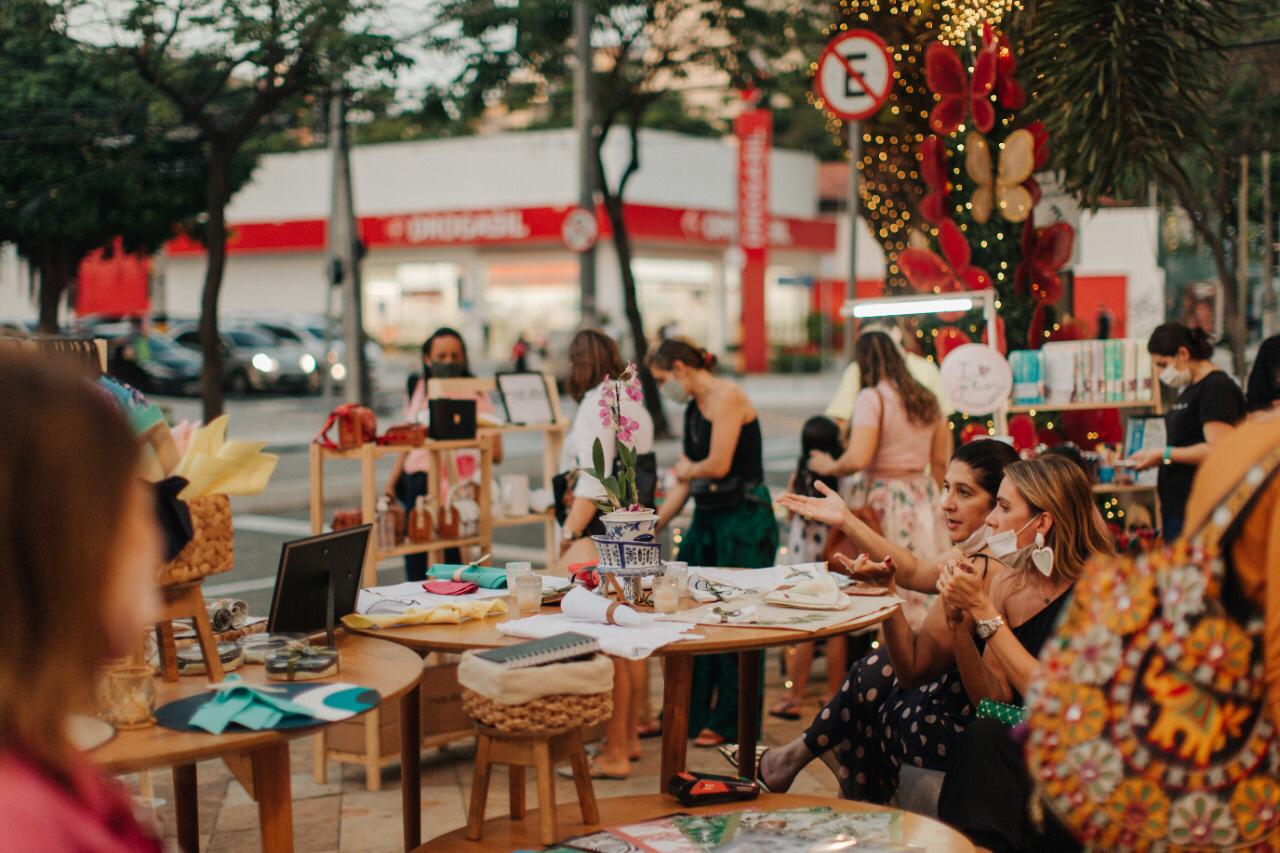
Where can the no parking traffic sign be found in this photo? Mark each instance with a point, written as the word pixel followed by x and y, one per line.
pixel 855 74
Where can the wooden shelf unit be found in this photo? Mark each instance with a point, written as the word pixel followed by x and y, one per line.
pixel 1121 488
pixel 1032 408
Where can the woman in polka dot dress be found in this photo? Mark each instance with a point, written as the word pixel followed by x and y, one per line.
pixel 909 700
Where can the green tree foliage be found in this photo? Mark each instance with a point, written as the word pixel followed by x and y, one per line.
pixel 227 67
pixel 1139 93
pixel 87 153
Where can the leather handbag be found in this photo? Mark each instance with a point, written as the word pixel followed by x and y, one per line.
pixel 408 435
pixel 1147 724
pixel 452 420
pixel 357 425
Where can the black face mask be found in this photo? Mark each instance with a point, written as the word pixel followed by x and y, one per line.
pixel 444 370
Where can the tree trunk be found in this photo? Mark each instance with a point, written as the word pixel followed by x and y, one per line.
pixel 211 380
pixel 631 306
pixel 55 268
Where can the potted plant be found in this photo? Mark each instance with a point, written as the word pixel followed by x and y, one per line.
pixel 624 518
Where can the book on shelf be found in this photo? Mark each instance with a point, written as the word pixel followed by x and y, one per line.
pixel 1065 373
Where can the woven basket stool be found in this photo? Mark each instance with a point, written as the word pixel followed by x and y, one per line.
pixel 539 734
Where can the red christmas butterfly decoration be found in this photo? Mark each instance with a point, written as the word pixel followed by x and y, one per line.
pixel 933 168
pixel 1008 90
pixel 960 94
pixel 948 338
pixel 1044 252
pixel 928 272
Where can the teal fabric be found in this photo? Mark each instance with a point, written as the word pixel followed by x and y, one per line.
pixel 482 576
pixel 744 537
pixel 142 414
pixel 255 708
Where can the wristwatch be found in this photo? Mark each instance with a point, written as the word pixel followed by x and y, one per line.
pixel 985 628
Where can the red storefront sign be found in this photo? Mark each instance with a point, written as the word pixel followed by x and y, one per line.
pixel 754 129
pixel 518 226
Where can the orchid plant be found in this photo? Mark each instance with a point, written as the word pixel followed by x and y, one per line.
pixel 620 483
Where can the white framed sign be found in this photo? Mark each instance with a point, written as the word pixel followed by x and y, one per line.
pixel 976 379
pixel 525 397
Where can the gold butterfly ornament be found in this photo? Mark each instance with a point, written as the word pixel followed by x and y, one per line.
pixel 1004 189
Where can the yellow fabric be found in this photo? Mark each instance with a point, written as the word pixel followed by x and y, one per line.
pixel 214 466
pixel 1005 189
pixel 1257 545
pixel 442 614
pixel 921 369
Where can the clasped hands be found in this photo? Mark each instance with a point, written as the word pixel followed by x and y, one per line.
pixel 962 594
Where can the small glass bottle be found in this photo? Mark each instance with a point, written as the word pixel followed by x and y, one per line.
pixel 385 525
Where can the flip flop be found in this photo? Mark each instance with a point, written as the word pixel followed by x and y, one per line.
pixel 788 709
pixel 730 754
pixel 650 730
pixel 707 739
pixel 593 771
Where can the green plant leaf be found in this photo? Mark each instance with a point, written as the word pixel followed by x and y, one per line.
pixel 597 457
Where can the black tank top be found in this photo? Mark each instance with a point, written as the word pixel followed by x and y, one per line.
pixel 1037 630
pixel 748 456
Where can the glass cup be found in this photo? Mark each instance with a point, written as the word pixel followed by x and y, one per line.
pixel 679 571
pixel 515 570
pixel 131 697
pixel 666 594
pixel 528 592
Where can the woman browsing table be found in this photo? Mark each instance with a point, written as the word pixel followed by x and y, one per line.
pixel 722 468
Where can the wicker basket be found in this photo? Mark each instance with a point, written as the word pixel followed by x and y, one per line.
pixel 209 552
pixel 541 716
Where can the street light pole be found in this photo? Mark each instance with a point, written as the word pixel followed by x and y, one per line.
pixel 854 204
pixel 343 251
pixel 583 124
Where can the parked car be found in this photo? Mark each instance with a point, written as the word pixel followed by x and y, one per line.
pixel 154 365
pixel 256 360
pixel 308 332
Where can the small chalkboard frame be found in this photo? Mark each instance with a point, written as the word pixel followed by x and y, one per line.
pixel 525 398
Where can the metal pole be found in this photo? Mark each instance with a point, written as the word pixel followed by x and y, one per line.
pixel 583 124
pixel 854 205
pixel 342 248
pixel 1269 319
pixel 1242 260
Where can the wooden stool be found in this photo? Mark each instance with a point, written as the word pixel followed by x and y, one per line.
pixel 186 601
pixel 541 751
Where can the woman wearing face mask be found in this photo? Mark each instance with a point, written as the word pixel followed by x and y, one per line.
pixel 902 702
pixel 79 550
pixel 722 466
pixel 444 356
pixel 1209 406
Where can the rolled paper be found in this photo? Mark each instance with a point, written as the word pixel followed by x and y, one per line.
pixel 580 604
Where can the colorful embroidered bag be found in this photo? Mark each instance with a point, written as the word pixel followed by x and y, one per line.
pixel 1147 728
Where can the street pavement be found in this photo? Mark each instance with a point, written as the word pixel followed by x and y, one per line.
pixel 288 424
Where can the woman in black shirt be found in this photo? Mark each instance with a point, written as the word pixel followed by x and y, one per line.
pixel 1208 408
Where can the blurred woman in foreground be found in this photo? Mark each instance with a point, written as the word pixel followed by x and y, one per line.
pixel 79 549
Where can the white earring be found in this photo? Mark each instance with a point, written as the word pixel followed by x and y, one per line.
pixel 1042 557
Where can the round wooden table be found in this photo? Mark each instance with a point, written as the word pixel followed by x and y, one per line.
pixel 503 833
pixel 260 760
pixel 748 643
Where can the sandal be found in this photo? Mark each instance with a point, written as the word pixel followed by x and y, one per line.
pixel 593 770
pixel 730 754
pixel 649 730
pixel 707 738
pixel 595 749
pixel 786 709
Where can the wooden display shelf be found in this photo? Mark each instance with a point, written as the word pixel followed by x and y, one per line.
pixel 521 520
pixel 1023 408
pixel 1121 488
pixel 424 547
pixel 380 450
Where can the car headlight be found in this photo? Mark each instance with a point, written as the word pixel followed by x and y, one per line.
pixel 338 372
pixel 264 363
pixel 307 362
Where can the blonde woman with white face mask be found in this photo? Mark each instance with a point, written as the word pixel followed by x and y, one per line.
pixel 910 700
pixel 1209 406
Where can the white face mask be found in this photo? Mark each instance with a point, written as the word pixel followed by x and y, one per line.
pixel 1175 378
pixel 1002 544
pixel 674 391
pixel 976 542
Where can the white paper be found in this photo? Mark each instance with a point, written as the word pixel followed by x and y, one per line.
pixel 635 643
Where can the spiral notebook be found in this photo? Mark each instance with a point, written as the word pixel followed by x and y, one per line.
pixel 554 649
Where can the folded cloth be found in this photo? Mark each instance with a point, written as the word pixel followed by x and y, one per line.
pixel 214 466
pixel 635 642
pixel 820 593
pixel 450 587
pixel 252 707
pixel 485 576
pixel 581 604
pixel 519 686
pixel 453 613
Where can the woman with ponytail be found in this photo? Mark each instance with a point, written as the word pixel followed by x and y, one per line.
pixel 722 468
pixel 1209 405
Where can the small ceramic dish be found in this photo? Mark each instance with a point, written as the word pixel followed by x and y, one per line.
pixel 307 663
pixel 191 659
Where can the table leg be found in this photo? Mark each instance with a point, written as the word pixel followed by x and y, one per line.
pixel 676 687
pixel 748 711
pixel 410 768
pixel 186 804
pixel 273 786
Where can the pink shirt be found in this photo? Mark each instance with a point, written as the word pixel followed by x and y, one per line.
pixel 39 813
pixel 904 446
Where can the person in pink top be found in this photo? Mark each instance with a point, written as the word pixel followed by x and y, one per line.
pixel 79 550
pixel 899 446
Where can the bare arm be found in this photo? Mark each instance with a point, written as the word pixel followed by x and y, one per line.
pixel 1008 661
pixel 979 677
pixel 1192 454
pixel 940 453
pixel 674 502
pixel 580 515
pixel 856 457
